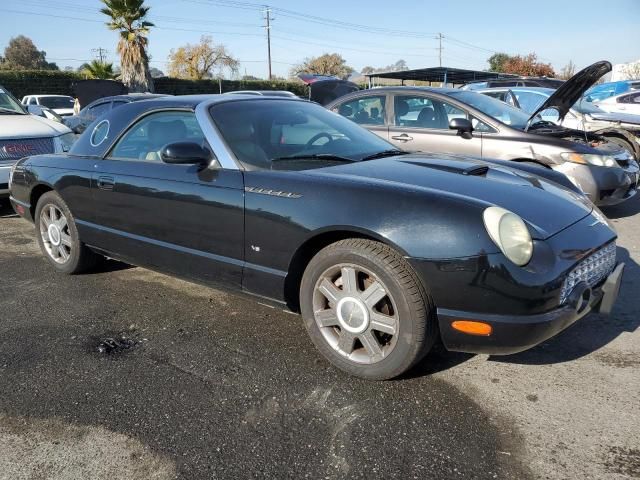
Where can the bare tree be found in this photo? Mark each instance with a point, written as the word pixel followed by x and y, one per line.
pixel 568 71
pixel 632 71
pixel 202 60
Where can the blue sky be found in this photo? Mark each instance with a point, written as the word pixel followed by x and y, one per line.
pixel 558 31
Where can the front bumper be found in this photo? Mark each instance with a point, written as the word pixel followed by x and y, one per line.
pixel 603 185
pixel 4 180
pixel 513 334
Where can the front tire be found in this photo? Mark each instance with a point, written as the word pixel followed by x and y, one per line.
pixel 366 310
pixel 58 237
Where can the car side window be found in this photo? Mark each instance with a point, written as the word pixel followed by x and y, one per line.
pixel 33 101
pixel 425 112
pixel 364 110
pixel 146 138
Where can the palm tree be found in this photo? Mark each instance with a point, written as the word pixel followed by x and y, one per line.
pixel 98 69
pixel 128 17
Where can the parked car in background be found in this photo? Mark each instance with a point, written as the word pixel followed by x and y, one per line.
pixel 610 89
pixel 45 112
pixel 515 82
pixel 620 128
pixel 60 104
pixel 465 122
pixel 78 123
pixel 625 103
pixel 382 252
pixel 22 134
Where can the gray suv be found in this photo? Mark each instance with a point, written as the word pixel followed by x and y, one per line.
pixel 464 122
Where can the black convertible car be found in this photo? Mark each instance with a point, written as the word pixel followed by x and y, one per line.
pixel 382 252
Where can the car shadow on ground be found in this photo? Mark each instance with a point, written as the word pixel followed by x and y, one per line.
pixel 623 210
pixel 592 332
pixel 6 211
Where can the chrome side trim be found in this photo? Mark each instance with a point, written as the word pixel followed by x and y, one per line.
pixel 211 133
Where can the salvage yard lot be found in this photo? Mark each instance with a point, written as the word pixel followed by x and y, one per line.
pixel 218 386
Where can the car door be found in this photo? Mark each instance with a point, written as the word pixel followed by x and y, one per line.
pixel 421 123
pixel 184 219
pixel 370 111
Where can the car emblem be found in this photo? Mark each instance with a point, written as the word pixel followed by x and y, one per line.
pixel 21 148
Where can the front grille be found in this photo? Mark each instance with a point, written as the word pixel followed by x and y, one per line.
pixel 592 270
pixel 24 147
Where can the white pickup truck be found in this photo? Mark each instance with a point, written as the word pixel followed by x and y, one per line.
pixel 22 134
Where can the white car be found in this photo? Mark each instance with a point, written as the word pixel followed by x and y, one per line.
pixel 22 134
pixel 61 104
pixel 628 102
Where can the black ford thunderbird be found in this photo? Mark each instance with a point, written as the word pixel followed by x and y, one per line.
pixel 382 252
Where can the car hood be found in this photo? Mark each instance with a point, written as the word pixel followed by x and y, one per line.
pixel 29 126
pixel 572 90
pixel 545 205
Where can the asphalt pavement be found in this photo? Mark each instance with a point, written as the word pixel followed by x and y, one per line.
pixel 126 373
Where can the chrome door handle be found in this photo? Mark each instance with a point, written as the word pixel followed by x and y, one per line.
pixel 403 138
pixel 106 183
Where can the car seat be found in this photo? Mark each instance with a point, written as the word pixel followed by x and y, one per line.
pixel 159 134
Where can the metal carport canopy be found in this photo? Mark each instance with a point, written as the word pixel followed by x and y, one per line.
pixel 440 74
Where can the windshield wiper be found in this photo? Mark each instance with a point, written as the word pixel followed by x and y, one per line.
pixel 385 153
pixel 315 156
pixel 9 111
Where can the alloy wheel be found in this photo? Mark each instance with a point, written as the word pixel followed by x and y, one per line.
pixel 54 230
pixel 355 313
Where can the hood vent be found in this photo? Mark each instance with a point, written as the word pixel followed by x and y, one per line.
pixel 453 166
pixel 478 170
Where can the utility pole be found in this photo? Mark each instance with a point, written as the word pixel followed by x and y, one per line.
pixel 439 38
pixel 102 53
pixel 268 18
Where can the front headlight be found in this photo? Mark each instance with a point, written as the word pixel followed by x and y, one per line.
pixel 64 142
pixel 509 232
pixel 589 159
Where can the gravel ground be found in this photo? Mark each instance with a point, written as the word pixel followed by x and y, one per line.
pixel 218 386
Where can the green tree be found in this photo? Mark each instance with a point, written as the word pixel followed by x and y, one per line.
pixel 497 61
pixel 98 69
pixel 22 54
pixel 128 17
pixel 327 64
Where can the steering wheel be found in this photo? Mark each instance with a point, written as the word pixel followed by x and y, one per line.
pixel 317 137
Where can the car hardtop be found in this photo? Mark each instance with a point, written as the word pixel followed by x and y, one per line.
pixel 121 118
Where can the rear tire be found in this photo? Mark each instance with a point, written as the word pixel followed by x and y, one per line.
pixel 58 236
pixel 366 310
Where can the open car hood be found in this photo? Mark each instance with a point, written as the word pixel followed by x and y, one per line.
pixel 324 89
pixel 572 90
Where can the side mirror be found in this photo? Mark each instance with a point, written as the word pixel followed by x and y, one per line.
pixel 185 153
pixel 463 126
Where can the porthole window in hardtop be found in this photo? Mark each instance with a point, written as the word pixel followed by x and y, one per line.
pixel 100 133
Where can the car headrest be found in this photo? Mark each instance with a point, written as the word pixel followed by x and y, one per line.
pixel 426 115
pixel 402 108
pixel 345 110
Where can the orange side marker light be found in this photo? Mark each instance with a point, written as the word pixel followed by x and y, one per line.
pixel 472 328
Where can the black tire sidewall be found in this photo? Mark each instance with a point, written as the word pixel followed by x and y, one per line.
pixel 410 337
pixel 72 265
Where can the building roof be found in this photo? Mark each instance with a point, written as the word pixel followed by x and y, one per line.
pixel 441 74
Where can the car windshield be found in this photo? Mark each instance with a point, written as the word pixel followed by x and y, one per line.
pixel 9 105
pixel 56 102
pixel 283 134
pixel 494 108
